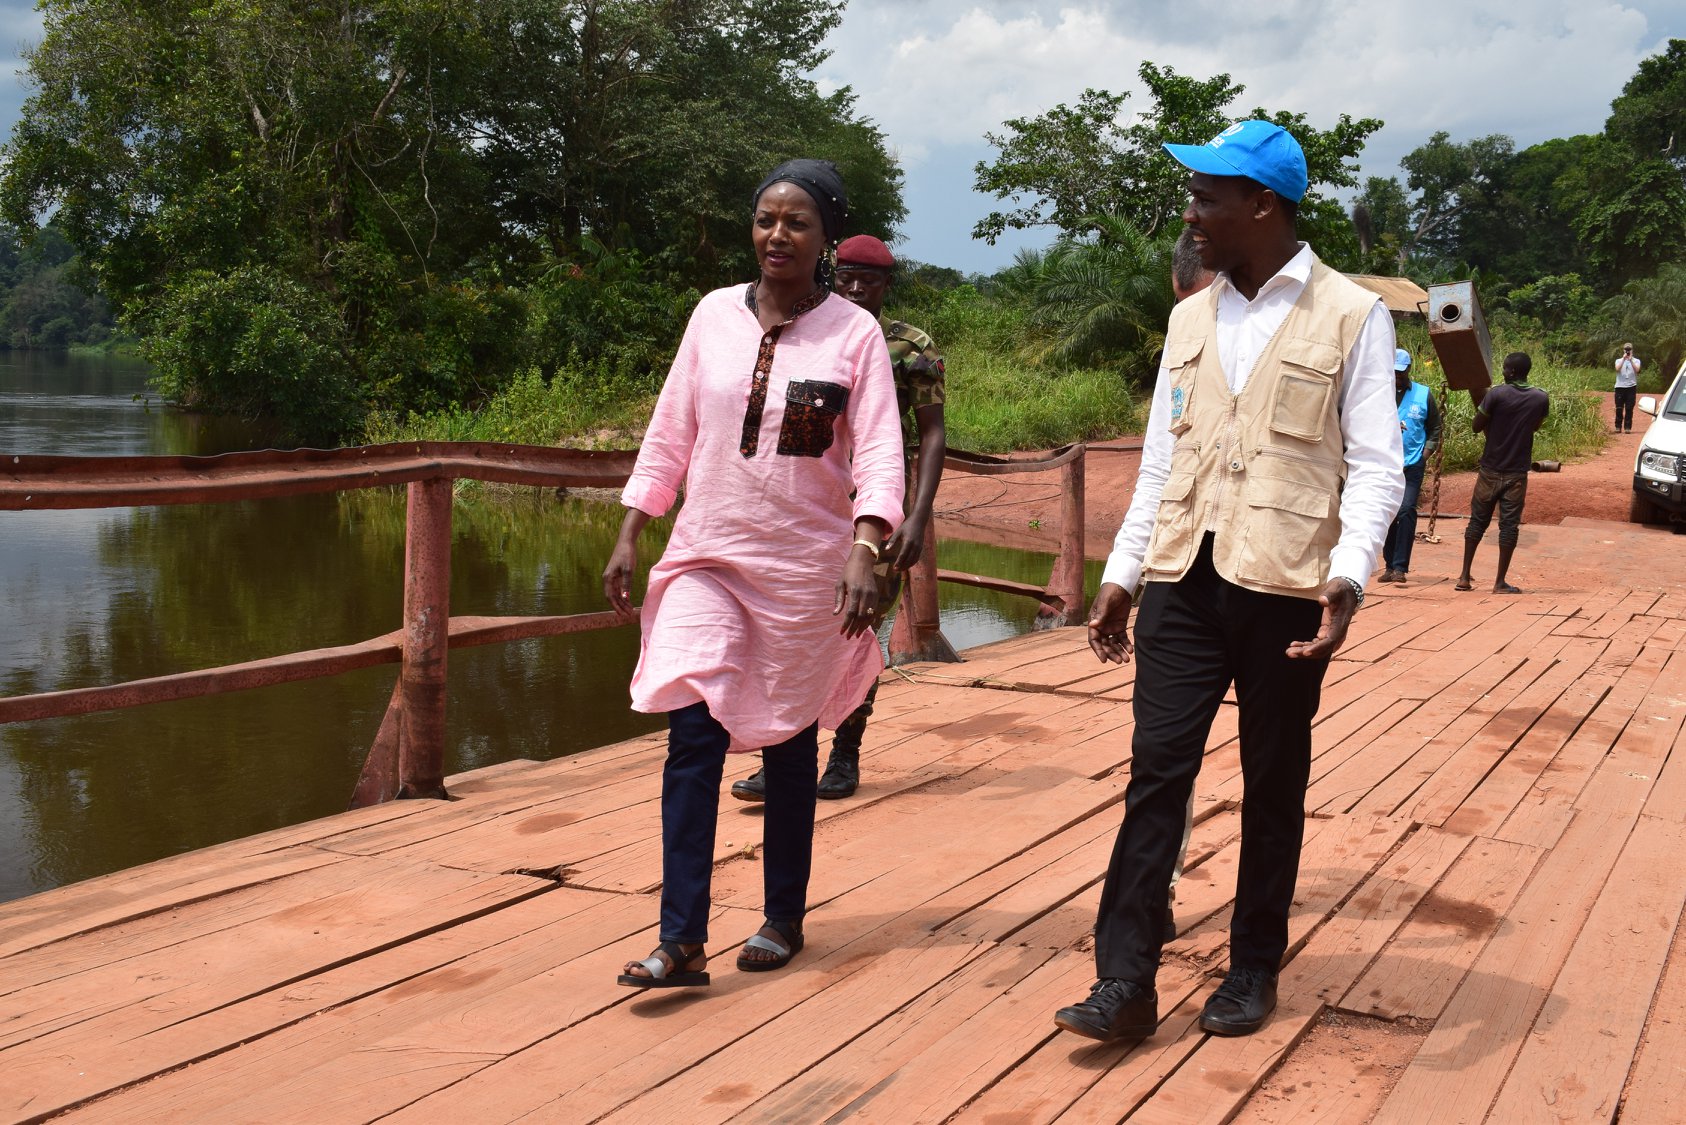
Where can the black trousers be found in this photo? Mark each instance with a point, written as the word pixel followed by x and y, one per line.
pixel 1625 398
pixel 1193 638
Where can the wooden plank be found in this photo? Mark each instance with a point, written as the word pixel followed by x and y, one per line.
pixel 273 936
pixel 1418 972
pixel 1020 906
pixel 111 900
pixel 1125 1083
pixel 1409 623
pixel 617 846
pixel 1656 1085
pixel 358 1061
pixel 1483 629
pixel 635 865
pixel 648 1065
pixel 583 1075
pixel 1660 713
pixel 1547 809
pixel 1576 1058
pixel 1487 806
pixel 1473 761
pixel 1394 766
pixel 857 854
pixel 1464 1060
pixel 798 1068
pixel 134 1044
pixel 1456 714
pixel 1618 612
pixel 1214 1082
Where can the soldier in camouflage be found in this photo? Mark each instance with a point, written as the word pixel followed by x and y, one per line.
pixel 864 266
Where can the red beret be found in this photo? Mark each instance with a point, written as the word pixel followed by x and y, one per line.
pixel 865 250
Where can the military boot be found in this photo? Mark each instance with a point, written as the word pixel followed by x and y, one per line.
pixel 752 788
pixel 842 773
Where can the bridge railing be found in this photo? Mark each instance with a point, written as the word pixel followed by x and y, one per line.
pixel 408 755
pixel 916 634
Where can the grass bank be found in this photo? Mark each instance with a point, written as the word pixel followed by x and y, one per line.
pixel 998 402
pixel 574 410
pixel 1574 429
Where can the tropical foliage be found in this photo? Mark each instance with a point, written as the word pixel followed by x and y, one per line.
pixel 416 191
pixel 1072 163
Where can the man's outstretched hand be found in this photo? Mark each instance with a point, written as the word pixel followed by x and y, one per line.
pixel 1109 624
pixel 1339 602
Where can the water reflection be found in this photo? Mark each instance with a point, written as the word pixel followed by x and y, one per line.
pixel 91 597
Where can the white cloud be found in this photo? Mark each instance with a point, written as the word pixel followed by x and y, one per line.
pixel 937 74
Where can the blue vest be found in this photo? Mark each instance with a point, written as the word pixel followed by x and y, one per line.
pixel 1413 422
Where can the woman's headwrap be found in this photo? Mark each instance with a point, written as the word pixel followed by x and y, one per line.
pixel 824 184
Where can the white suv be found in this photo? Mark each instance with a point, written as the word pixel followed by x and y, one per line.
pixel 1659 472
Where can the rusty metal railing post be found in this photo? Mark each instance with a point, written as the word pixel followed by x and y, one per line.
pixel 427 636
pixel 1066 580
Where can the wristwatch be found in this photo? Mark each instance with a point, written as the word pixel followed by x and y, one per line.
pixel 1357 589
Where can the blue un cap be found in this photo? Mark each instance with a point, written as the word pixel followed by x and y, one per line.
pixel 1401 359
pixel 1255 149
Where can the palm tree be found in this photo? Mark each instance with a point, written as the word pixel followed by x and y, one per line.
pixel 1652 313
pixel 1103 296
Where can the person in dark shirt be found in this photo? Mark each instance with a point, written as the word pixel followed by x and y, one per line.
pixel 1509 415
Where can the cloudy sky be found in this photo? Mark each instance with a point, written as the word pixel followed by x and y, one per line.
pixel 937 74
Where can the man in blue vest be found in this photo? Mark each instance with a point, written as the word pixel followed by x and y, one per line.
pixel 1419 430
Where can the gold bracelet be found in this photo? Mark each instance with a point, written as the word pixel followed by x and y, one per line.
pixel 869 545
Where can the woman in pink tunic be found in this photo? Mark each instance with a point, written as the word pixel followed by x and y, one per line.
pixel 779 419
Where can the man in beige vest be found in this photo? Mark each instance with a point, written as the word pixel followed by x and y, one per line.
pixel 1271 469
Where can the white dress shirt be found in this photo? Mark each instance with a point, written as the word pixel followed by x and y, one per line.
pixel 1375 482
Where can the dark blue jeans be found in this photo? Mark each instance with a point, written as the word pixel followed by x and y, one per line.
pixel 1396 552
pixel 696 758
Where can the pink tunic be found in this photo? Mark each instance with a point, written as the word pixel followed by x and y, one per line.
pixel 738 613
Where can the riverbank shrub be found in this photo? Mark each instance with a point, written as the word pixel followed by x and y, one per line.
pixel 583 406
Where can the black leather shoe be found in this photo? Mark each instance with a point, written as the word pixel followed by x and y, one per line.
pixel 1241 1004
pixel 1115 1009
pixel 1170 934
pixel 753 787
pixel 842 774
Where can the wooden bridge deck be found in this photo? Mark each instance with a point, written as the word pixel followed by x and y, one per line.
pixel 1486 928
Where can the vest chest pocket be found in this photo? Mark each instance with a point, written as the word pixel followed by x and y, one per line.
pixel 1303 388
pixel 811 410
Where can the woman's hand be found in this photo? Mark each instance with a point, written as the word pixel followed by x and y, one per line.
pixel 857 592
pixel 623 561
pixel 617 577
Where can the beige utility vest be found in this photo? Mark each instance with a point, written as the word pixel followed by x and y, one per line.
pixel 1262 470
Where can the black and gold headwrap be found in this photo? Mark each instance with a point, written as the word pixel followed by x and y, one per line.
pixel 821 180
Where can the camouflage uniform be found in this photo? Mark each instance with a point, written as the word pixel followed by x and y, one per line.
pixel 918 367
pixel 919 373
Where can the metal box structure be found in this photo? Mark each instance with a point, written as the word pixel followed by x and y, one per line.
pixel 1458 332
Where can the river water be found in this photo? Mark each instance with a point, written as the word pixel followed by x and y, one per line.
pixel 106 595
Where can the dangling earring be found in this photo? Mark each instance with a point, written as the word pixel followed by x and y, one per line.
pixel 825 270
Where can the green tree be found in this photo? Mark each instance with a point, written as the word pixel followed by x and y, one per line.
pixel 394 175
pixel 1554 300
pixel 1070 163
pixel 1445 179
pixel 1649 116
